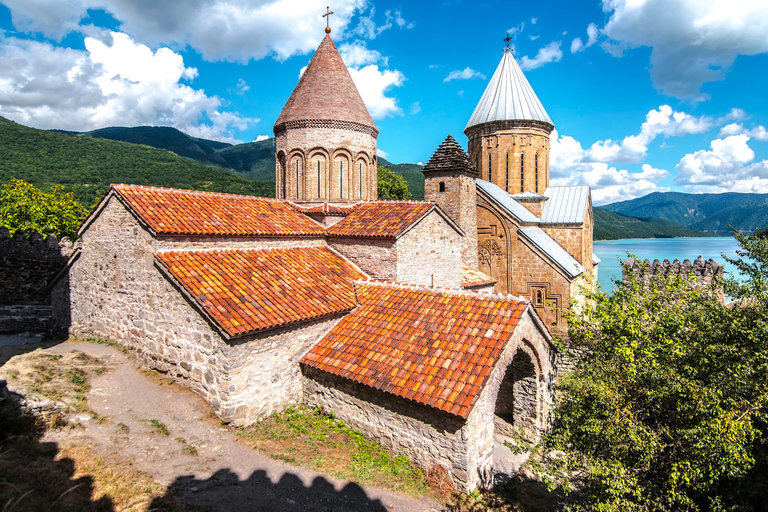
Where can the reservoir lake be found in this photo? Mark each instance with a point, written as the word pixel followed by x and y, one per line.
pixel 611 251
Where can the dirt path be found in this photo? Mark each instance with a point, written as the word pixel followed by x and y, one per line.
pixel 203 463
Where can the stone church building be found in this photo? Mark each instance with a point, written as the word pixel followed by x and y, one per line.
pixel 424 324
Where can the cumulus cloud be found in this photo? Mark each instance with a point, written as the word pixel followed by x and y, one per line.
pixel 545 55
pixel 242 87
pixel 758 132
pixel 368 28
pixel 663 121
pixel 368 70
pixel 232 30
pixel 727 166
pixel 259 138
pixel 415 107
pixel 592 33
pixel 124 83
pixel 381 153
pixel 568 166
pixel 692 42
pixel 463 74
pixel 357 54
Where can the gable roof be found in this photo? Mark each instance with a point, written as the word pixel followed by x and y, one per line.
pixel 566 205
pixel 508 96
pixel 505 201
pixel 553 250
pixel 437 348
pixel 326 92
pixel 382 219
pixel 168 211
pixel 246 291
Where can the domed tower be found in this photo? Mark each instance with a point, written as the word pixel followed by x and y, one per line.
pixel 509 132
pixel 325 137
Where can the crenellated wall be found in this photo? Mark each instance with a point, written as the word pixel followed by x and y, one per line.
pixel 702 272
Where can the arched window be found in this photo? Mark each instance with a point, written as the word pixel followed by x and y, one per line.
pixel 506 179
pixel 490 177
pixel 297 179
pixel 361 180
pixel 341 179
pixel 318 178
pixel 536 168
pixel 442 186
pixel 522 172
pixel 539 298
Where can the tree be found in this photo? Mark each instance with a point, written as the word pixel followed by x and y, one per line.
pixel 391 185
pixel 668 411
pixel 22 206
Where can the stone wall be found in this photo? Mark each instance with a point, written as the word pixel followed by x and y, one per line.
pixel 429 436
pixel 375 257
pixel 430 253
pixel 119 294
pixel 28 264
pixel 510 144
pixel 458 200
pixel 703 273
pixel 333 148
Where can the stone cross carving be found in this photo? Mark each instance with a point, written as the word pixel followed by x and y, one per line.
pixel 327 17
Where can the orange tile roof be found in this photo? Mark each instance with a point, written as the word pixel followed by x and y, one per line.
pixel 187 212
pixel 471 278
pixel 326 208
pixel 245 291
pixel 436 348
pixel 381 219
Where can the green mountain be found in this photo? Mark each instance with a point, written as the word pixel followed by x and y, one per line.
pixel 614 226
pixel 412 175
pixel 87 165
pixel 713 213
pixel 254 160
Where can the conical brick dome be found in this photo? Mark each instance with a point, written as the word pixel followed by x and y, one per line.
pixel 326 92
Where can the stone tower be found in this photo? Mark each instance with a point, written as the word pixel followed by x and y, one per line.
pixel 509 132
pixel 325 137
pixel 449 181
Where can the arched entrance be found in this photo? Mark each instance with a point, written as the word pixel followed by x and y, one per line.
pixel 517 404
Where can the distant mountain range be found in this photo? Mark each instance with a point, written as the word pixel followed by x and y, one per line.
pixel 711 213
pixel 86 162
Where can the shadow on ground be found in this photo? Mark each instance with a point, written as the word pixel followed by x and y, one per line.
pixel 225 491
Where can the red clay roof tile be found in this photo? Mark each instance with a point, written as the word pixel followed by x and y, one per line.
pixel 380 219
pixel 245 291
pixel 471 278
pixel 188 212
pixel 415 319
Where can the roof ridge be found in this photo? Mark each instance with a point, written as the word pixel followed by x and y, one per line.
pixel 196 192
pixel 244 249
pixel 439 289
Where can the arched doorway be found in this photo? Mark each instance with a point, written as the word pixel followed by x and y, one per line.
pixel 517 403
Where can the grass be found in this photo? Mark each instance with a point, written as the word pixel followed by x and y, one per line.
pixel 309 437
pixel 158 426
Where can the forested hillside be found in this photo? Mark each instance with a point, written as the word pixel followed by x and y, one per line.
pixel 614 226
pixel 87 165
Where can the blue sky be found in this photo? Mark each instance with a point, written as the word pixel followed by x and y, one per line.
pixel 646 95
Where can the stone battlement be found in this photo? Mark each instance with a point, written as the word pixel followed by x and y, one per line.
pixel 702 272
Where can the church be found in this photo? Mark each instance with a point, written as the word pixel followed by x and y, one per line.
pixel 423 324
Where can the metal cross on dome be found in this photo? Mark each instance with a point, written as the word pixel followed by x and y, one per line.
pixel 327 17
pixel 507 40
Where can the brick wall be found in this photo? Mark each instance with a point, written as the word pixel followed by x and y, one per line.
pixel 430 253
pixel 458 201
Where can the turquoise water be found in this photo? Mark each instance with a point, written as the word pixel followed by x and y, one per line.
pixel 609 251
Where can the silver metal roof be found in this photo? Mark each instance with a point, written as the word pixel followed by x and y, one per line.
pixel 595 259
pixel 527 195
pixel 566 205
pixel 552 249
pixel 508 96
pixel 505 201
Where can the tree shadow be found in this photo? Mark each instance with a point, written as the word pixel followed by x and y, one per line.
pixel 224 491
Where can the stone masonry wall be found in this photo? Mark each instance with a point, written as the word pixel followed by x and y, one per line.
pixel 28 263
pixel 573 238
pixel 426 435
pixel 377 258
pixel 458 201
pixel 703 273
pixel 330 146
pixel 430 253
pixel 119 294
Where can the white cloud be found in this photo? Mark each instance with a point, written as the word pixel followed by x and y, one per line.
pixel 534 20
pixel 357 54
pixel 259 138
pixel 368 28
pixel 533 38
pixel 592 33
pixel 381 153
pixel 663 121
pixel 692 41
pixel 242 87
pixel 545 55
pixel 415 107
pixel 373 83
pixel 727 167
pixel 124 84
pixel 233 30
pixel 758 132
pixel 568 166
pixel 514 31
pixel 463 74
